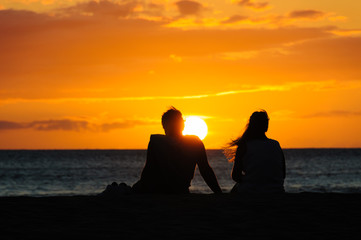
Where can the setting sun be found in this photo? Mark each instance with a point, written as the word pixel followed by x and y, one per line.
pixel 195 126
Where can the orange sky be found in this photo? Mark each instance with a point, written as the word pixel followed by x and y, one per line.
pixel 99 74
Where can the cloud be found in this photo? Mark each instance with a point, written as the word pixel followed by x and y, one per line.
pixel 242 89
pixel 102 8
pixel 105 127
pixel 43 54
pixel 64 124
pixel 15 18
pixel 234 19
pixel 48 125
pixel 55 43
pixel 282 115
pixel 85 35
pixel 186 7
pixel 252 4
pixel 337 18
pixel 72 125
pixel 310 85
pixel 346 32
pixel 254 54
pixel 282 20
pixel 334 113
pixel 176 58
pixel 306 14
pixel 7 125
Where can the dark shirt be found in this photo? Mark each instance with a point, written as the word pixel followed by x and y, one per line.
pixel 259 166
pixel 171 163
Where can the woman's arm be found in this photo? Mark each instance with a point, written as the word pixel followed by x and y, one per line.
pixel 284 165
pixel 238 163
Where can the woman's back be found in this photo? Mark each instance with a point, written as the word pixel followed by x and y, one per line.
pixel 263 166
pixel 259 165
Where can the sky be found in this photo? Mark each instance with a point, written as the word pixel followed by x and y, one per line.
pixel 99 74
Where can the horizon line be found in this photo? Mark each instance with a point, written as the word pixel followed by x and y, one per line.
pixel 142 149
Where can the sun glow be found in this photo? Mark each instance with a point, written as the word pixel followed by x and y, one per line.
pixel 195 126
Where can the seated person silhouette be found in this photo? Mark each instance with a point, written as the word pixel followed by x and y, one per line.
pixel 259 163
pixel 172 159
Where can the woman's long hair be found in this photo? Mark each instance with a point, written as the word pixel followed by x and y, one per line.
pixel 256 128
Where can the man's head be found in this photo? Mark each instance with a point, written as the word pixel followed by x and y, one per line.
pixel 173 122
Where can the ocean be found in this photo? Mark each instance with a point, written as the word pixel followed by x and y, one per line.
pixel 88 172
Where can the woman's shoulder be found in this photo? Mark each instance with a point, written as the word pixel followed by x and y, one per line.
pixel 274 142
pixel 267 141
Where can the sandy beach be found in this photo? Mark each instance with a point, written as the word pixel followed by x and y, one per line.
pixel 295 216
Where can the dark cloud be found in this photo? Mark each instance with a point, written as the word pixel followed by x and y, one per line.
pixel 42 54
pixel 156 6
pixel 19 24
pixel 235 18
pixel 48 125
pixel 6 125
pixel 14 22
pixel 17 17
pixel 186 7
pixel 252 4
pixel 128 37
pixel 64 124
pixel 103 8
pixel 125 124
pixel 310 14
pixel 72 125
pixel 153 9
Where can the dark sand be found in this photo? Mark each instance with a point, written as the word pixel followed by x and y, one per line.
pixel 193 216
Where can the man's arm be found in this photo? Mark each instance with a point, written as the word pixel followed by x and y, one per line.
pixel 206 171
pixel 146 172
pixel 141 186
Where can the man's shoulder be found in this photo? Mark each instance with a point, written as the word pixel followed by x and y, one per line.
pixel 157 136
pixel 157 139
pixel 192 138
pixel 188 140
pixel 193 142
pixel 185 137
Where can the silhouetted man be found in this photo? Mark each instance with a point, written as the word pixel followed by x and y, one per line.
pixel 172 159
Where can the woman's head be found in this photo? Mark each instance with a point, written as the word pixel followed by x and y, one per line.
pixel 258 122
pixel 255 129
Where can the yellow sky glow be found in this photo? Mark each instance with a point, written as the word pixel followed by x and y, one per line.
pixel 99 74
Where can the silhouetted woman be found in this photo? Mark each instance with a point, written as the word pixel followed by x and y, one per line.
pixel 259 163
